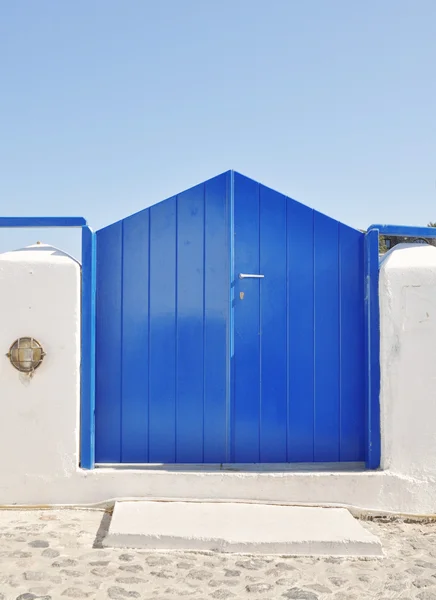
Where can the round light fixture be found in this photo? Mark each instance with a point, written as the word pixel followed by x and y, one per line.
pixel 26 354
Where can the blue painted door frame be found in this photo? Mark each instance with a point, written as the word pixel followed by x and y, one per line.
pixel 372 351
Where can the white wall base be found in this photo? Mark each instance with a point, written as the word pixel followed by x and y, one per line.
pixel 378 491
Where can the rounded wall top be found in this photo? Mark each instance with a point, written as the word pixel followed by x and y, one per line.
pixel 37 253
pixel 406 256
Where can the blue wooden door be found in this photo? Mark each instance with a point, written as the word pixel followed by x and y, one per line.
pixel 163 305
pixel 230 328
pixel 298 366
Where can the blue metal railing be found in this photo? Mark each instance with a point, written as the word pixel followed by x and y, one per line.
pixel 404 231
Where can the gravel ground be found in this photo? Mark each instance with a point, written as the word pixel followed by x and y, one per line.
pixel 58 554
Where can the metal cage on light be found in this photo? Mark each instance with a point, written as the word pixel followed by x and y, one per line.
pixel 26 354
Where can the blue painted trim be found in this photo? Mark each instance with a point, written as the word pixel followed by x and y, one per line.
pixel 404 231
pixel 87 366
pixel 13 222
pixel 372 348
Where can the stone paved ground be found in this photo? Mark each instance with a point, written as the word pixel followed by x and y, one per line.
pixel 57 555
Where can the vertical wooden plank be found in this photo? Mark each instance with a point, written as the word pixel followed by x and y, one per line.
pixel 163 332
pixel 190 313
pixel 87 367
pixel 352 345
pixel 230 387
pixel 273 300
pixel 216 317
pixel 246 405
pixel 372 346
pixel 108 344
pixel 134 416
pixel 300 329
pixel 327 335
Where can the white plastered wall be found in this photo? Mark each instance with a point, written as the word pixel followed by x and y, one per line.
pixel 39 424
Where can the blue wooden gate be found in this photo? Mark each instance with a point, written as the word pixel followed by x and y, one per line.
pixel 196 364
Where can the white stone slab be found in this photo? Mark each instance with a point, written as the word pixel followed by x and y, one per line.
pixel 239 528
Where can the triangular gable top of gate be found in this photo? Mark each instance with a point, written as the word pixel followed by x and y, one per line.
pixel 227 182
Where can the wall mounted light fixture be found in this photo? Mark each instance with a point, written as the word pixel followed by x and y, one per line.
pixel 26 354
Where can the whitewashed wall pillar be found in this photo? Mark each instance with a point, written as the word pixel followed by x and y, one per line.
pixel 39 416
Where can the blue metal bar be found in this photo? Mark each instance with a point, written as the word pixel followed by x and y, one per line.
pixel 87 367
pixel 372 348
pixel 404 231
pixel 13 222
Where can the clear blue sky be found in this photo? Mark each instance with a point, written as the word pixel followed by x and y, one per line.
pixel 107 106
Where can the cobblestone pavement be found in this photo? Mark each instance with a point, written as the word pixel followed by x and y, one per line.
pixel 54 555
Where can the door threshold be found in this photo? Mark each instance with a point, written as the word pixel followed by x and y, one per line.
pixel 240 467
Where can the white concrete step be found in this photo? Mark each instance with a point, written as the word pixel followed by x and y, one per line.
pixel 239 528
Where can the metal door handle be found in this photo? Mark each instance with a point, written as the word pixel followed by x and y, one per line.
pixel 250 276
